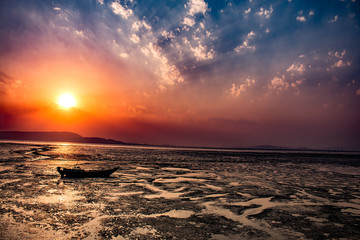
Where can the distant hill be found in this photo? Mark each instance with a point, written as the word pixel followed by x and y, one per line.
pixel 76 138
pixel 55 137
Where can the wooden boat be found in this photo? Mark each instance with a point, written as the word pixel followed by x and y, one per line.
pixel 80 173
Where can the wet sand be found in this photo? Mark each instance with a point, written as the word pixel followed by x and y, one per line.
pixel 178 194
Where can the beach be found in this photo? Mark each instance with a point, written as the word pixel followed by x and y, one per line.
pixel 174 193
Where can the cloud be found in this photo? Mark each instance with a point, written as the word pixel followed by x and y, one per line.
pixel 298 67
pixel 120 10
pixel 338 60
pixel 135 38
pixel 168 34
pixel 196 6
pixel 265 12
pixel 189 40
pixel 80 33
pixel 339 64
pixel 337 54
pixel 301 18
pixel 251 35
pixel 237 90
pixel 140 25
pixel 333 20
pixel 245 45
pixel 247 11
pixel 169 73
pixel 124 55
pixel 201 52
pixel 311 13
pixel 358 92
pixel 278 83
pixel 198 44
pixel 189 21
pixel 289 78
pixel 139 31
pixel 297 83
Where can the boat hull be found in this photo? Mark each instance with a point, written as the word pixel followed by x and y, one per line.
pixel 78 173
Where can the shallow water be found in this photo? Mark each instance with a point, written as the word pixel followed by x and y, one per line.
pixel 161 193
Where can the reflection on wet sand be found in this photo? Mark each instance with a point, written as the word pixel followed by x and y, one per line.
pixel 212 195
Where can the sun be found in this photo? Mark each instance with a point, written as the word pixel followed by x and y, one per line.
pixel 66 100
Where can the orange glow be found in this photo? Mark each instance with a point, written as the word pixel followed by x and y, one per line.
pixel 66 100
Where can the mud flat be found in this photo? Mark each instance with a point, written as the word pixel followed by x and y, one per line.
pixel 178 194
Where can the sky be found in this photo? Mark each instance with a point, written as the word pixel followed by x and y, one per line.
pixel 188 73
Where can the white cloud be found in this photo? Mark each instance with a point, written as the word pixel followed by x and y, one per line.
pixel 251 35
pixel 136 26
pixel 278 83
pixel 101 2
pixel 120 10
pixel 301 18
pixel 169 73
pixel 265 12
pixel 237 90
pixel 189 21
pixel 247 11
pixel 337 54
pixel 123 55
pixel 134 38
pixel 57 9
pixel 300 68
pixel 297 83
pixel 333 20
pixel 140 25
pixel 201 53
pixel 145 51
pixel 168 35
pixel 80 33
pixel 196 45
pixel 198 49
pixel 146 25
pixel 340 55
pixel 245 44
pixel 196 6
pixel 311 13
pixel 152 57
pixel 339 62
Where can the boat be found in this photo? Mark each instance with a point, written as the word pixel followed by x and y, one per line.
pixel 80 173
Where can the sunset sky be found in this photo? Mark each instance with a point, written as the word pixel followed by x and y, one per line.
pixel 191 73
